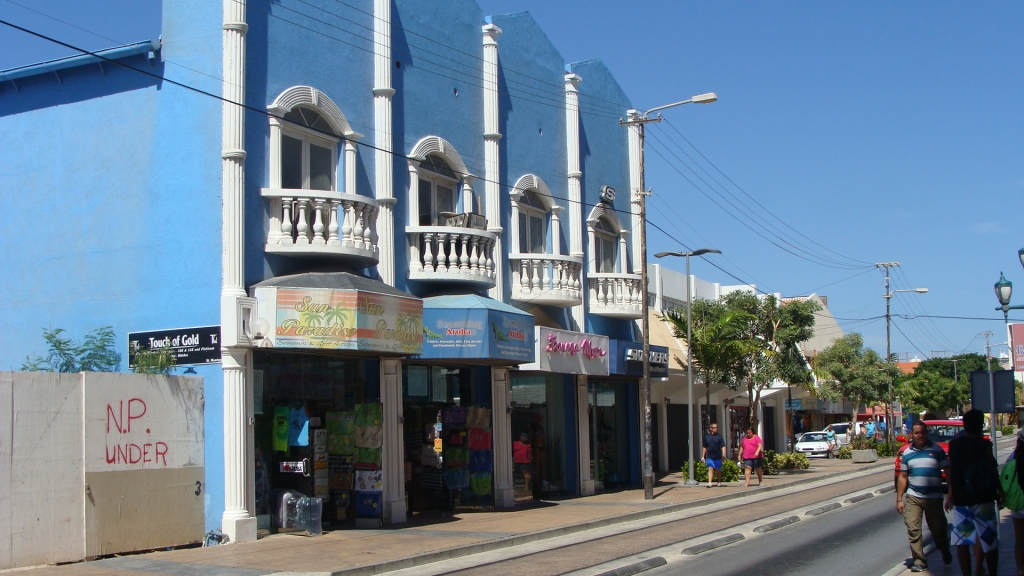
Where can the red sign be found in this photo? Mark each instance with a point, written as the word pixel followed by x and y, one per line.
pixel 1017 345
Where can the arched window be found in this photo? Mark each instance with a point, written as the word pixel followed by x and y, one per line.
pixel 309 154
pixel 533 213
pixel 605 245
pixel 437 191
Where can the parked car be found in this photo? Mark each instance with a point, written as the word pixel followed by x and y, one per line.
pixel 940 432
pixel 814 444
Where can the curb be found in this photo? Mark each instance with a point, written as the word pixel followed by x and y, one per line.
pixel 712 544
pixel 636 568
pixel 507 542
pixel 822 509
pixel 777 524
pixel 886 489
pixel 859 498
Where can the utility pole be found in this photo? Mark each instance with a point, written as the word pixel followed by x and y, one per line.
pixel 888 341
pixel 991 391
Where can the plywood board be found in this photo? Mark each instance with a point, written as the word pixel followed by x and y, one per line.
pixel 143 509
pixel 47 499
pixel 142 422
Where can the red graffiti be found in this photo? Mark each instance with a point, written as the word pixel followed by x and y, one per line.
pixel 131 452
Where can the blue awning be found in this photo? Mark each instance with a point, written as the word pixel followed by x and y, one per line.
pixel 472 327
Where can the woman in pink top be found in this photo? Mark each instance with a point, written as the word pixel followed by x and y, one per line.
pixel 752 451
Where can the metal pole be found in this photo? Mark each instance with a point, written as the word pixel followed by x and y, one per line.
pixel 991 394
pixel 689 377
pixel 888 350
pixel 645 386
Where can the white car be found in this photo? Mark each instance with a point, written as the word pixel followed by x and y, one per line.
pixel 814 444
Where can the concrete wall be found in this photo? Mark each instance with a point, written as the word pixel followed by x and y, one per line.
pixel 98 463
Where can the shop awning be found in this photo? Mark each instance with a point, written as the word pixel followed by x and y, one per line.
pixel 339 311
pixel 472 327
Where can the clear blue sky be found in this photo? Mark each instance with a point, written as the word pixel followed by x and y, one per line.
pixel 879 131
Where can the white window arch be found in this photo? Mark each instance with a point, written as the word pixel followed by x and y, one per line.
pixel 306 128
pixel 534 212
pixel 607 241
pixel 437 178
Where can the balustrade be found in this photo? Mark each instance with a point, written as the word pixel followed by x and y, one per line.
pixel 310 222
pixel 616 295
pixel 549 279
pixel 451 254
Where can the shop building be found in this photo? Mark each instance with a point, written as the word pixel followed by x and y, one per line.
pixel 329 204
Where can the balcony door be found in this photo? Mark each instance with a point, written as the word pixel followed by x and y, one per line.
pixel 532 224
pixel 437 192
pixel 605 246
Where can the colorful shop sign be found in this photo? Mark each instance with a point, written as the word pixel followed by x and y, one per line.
pixel 329 319
pixel 477 328
pixel 568 352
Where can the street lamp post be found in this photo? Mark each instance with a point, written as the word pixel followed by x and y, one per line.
pixel 1004 290
pixel 888 339
pixel 639 120
pixel 690 480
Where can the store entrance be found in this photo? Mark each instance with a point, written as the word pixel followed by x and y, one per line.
pixel 538 436
pixel 609 435
pixel 450 404
pixel 300 402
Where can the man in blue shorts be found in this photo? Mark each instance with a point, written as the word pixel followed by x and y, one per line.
pixel 713 453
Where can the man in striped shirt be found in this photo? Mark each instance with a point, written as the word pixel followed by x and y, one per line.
pixel 919 490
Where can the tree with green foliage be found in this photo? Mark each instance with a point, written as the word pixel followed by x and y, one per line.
pixel 159 361
pixel 849 370
pixel 96 352
pixel 928 391
pixel 777 328
pixel 718 346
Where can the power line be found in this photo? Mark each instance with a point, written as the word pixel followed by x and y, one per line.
pixel 739 205
pixel 895 325
pixel 753 199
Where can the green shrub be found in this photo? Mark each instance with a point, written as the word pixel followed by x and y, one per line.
pixel 730 471
pixel 785 461
pixel 770 463
pixel 845 453
pixel 886 449
pixel 1008 430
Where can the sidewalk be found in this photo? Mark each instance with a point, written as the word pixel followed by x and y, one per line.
pixel 429 538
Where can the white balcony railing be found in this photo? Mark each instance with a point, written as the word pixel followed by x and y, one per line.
pixel 616 295
pixel 451 254
pixel 322 222
pixel 547 279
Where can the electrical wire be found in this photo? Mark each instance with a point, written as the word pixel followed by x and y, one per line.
pixel 754 200
pixel 752 215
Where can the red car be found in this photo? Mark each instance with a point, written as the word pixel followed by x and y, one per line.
pixel 940 432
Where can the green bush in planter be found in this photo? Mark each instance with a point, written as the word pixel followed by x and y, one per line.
pixel 845 453
pixel 1008 430
pixel 770 462
pixel 785 461
pixel 730 471
pixel 886 449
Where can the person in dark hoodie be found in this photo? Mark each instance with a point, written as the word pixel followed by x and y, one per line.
pixel 973 493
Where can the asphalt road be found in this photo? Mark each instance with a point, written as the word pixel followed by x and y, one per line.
pixel 866 539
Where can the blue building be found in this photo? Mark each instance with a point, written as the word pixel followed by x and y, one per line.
pixel 402 216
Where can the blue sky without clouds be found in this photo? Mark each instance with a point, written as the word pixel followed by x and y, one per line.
pixel 879 131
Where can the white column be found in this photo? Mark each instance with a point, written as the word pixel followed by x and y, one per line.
pixel 350 161
pixel 556 231
pixel 501 434
pixel 583 433
pixel 393 451
pixel 513 222
pixel 382 140
pixel 635 180
pixel 623 260
pixel 572 141
pixel 414 192
pixel 467 193
pixel 492 191
pixel 237 521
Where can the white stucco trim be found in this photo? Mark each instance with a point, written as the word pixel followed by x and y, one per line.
pixel 436 145
pixel 533 182
pixel 313 98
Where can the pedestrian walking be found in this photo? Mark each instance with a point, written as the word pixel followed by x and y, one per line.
pixel 830 437
pixel 919 492
pixel 973 492
pixel 752 453
pixel 869 429
pixel 1013 482
pixel 713 453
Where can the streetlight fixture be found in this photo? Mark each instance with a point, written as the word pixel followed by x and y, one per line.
pixel 888 340
pixel 690 480
pixel 635 118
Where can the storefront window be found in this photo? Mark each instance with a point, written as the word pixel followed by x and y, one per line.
pixel 295 398
pixel 459 399
pixel 539 436
pixel 739 420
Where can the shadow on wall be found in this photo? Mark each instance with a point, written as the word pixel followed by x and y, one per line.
pixel 79 84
